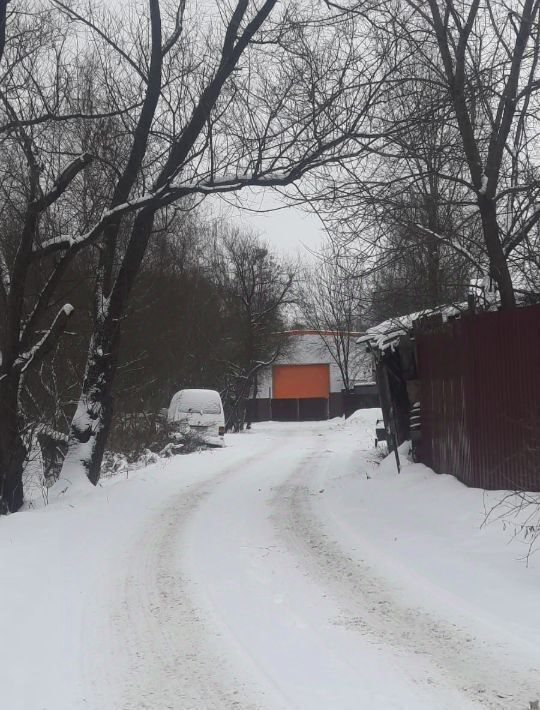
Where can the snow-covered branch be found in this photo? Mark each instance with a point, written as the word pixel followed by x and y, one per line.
pixel 64 242
pixel 47 341
pixel 455 245
pixel 161 198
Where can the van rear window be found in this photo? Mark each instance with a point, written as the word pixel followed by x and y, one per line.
pixel 205 402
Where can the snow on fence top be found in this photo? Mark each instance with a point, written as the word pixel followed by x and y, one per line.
pixel 387 334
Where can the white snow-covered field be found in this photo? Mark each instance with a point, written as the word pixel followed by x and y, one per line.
pixel 288 570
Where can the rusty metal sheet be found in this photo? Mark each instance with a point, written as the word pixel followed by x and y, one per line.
pixel 480 398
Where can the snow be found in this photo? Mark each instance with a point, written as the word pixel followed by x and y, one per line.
pixel 73 481
pixel 386 334
pixel 195 400
pixel 483 185
pixel 292 569
pixel 232 181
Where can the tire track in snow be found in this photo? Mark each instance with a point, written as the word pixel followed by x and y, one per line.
pixel 276 621
pixel 446 654
pixel 162 641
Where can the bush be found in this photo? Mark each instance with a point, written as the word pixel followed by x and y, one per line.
pixel 143 438
pixel 133 434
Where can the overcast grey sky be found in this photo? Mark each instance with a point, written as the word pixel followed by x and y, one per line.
pixel 289 230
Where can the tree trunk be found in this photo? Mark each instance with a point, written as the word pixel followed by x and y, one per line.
pixel 252 412
pixel 497 260
pixel 91 423
pixel 12 449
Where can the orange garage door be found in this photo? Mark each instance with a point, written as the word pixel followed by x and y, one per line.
pixel 300 381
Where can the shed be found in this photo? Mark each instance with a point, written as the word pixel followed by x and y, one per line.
pixel 465 388
pixel 392 348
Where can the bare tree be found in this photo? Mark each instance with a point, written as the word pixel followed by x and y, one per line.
pixel 33 186
pixel 59 108
pixel 332 302
pixel 257 287
pixel 486 69
pixel 458 171
pixel 418 211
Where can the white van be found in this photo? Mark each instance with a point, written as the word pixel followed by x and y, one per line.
pixel 199 411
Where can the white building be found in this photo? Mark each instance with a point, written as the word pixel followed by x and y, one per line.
pixel 306 381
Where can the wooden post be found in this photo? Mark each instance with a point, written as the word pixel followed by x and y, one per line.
pixel 394 437
pixel 391 424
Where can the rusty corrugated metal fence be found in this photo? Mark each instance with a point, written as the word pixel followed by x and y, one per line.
pixel 480 398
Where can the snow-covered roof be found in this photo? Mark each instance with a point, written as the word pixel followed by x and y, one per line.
pixel 386 334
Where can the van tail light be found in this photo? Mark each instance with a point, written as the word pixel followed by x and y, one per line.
pixel 221 430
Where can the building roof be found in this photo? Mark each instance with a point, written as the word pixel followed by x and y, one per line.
pixel 387 334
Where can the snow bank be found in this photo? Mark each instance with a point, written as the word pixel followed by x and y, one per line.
pixel 429 532
pixel 58 565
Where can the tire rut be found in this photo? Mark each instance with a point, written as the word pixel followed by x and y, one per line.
pixel 167 646
pixel 442 651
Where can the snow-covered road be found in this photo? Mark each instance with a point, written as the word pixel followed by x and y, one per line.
pixel 288 571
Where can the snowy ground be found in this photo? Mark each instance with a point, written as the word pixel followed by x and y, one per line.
pixel 289 570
